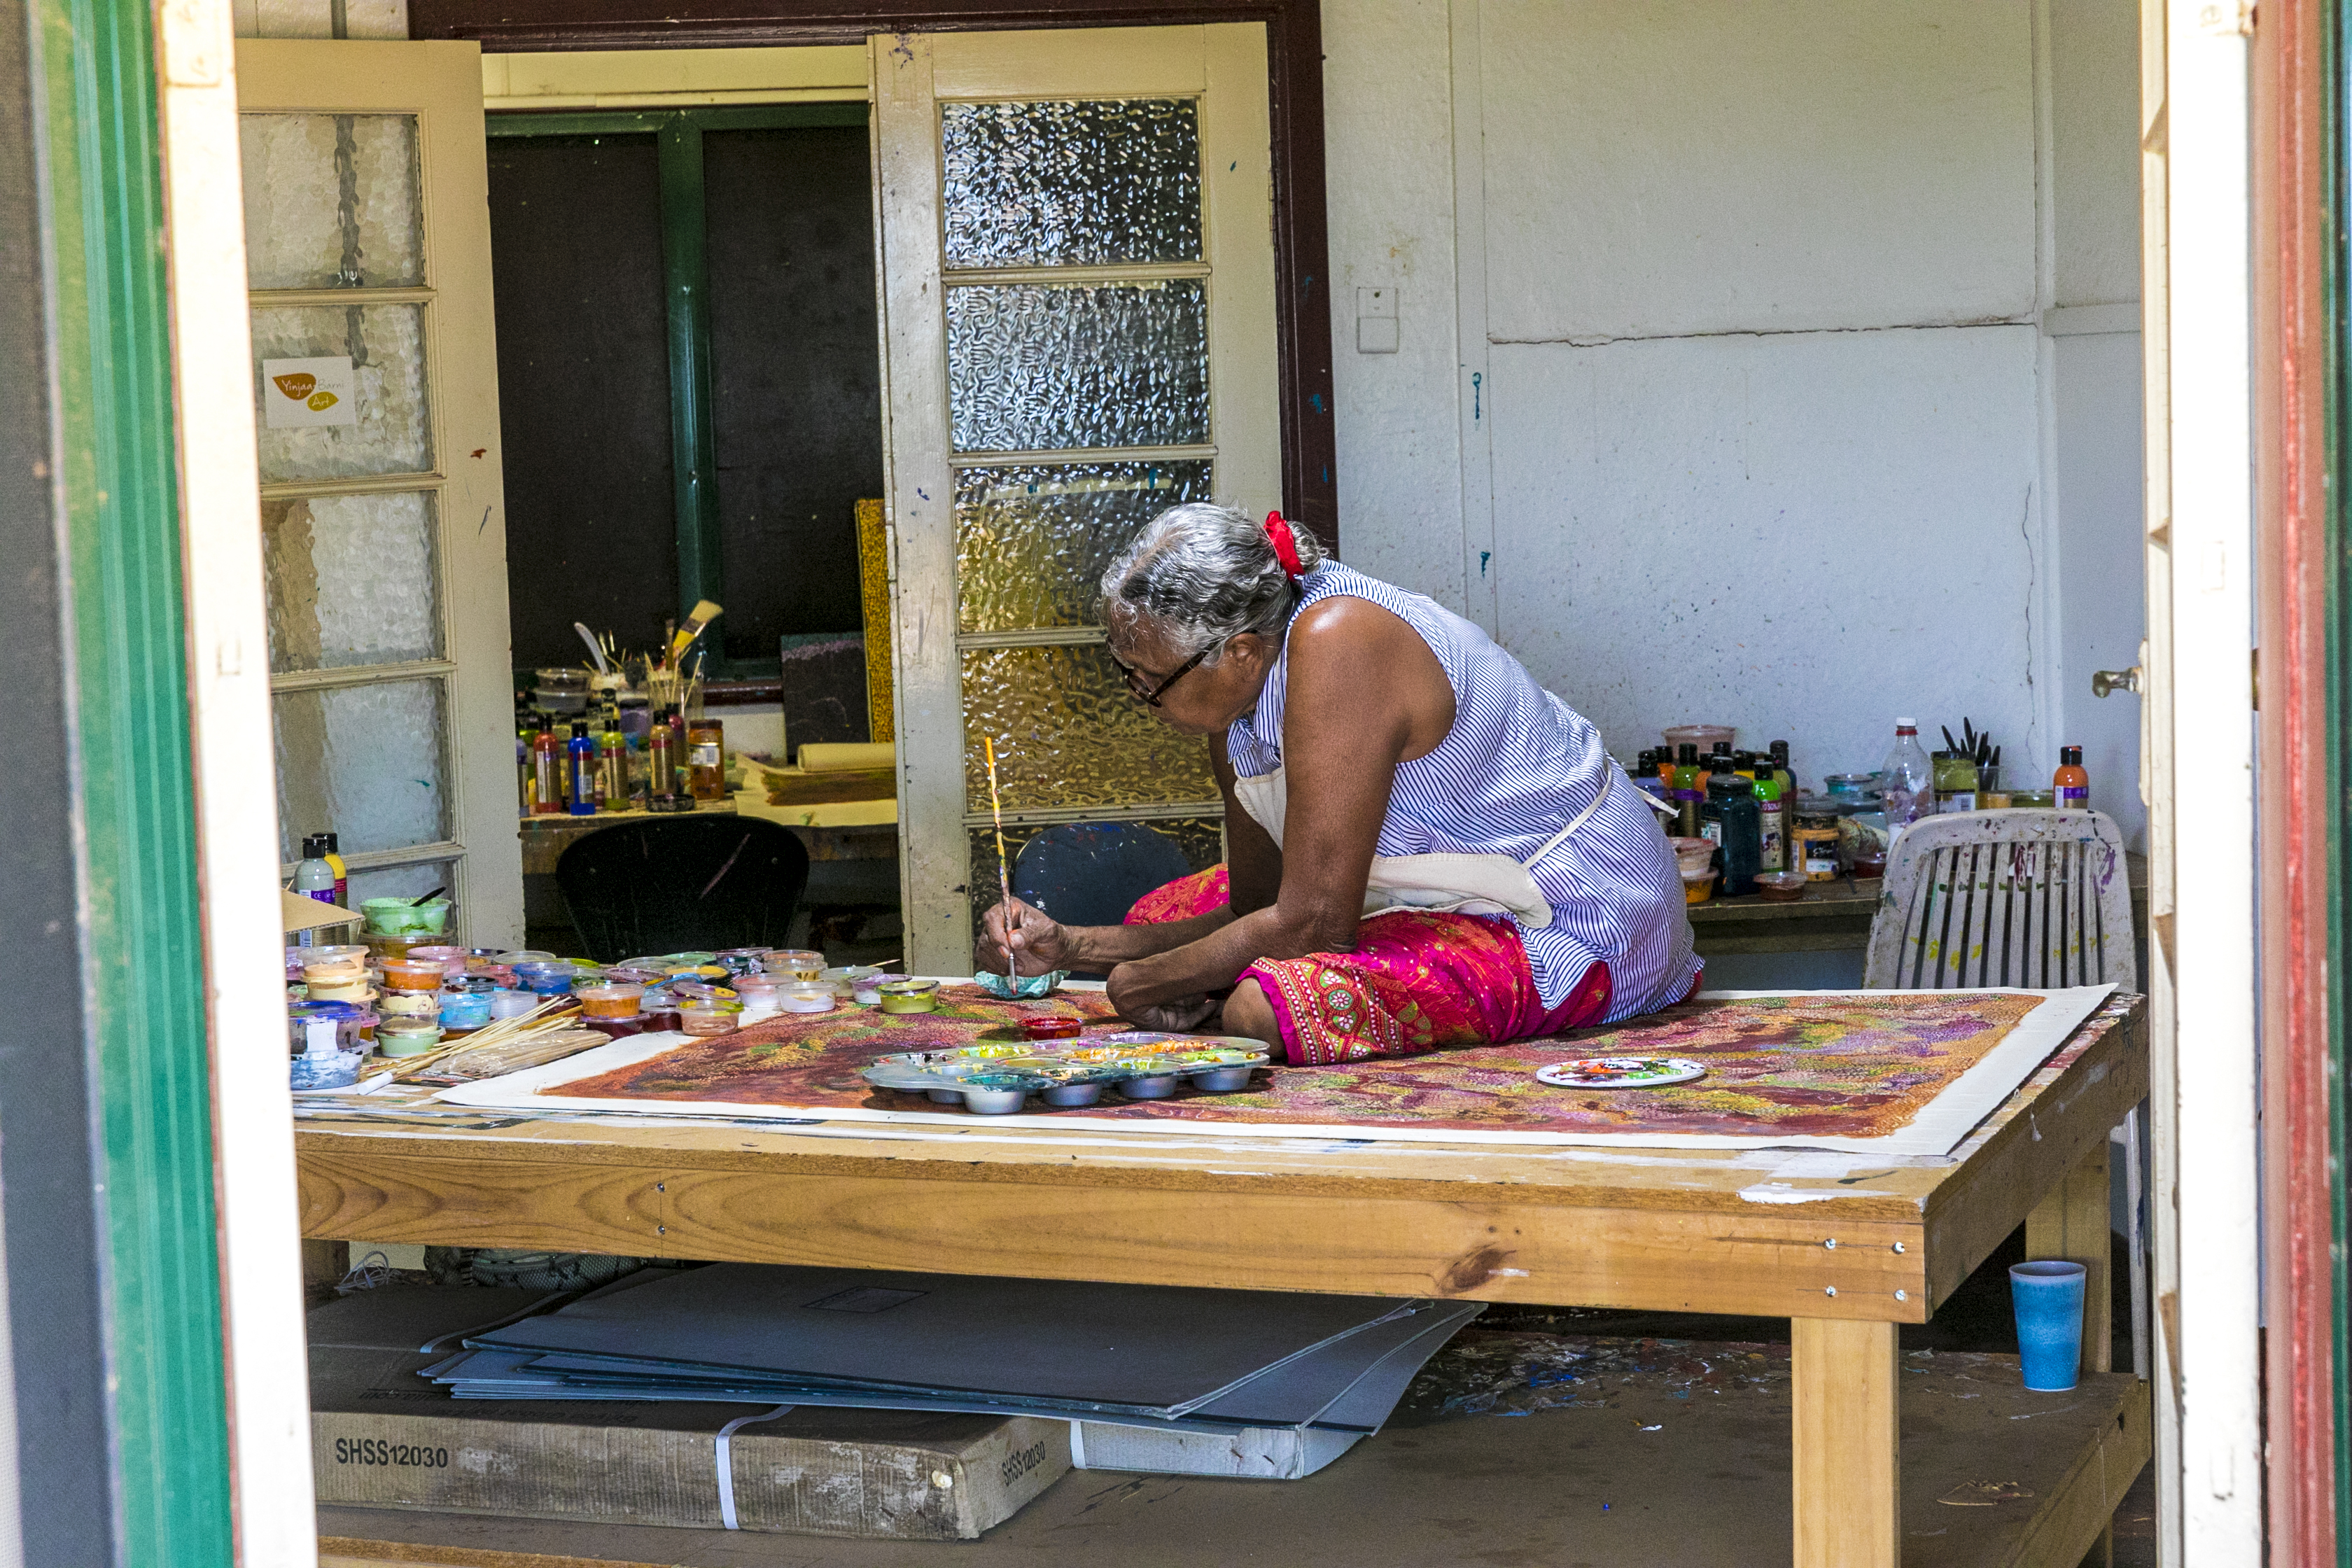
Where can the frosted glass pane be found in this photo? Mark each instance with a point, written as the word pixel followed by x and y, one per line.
pixel 330 201
pixel 1201 839
pixel 1039 366
pixel 367 763
pixel 1069 733
pixel 1039 185
pixel 1031 543
pixel 353 580
pixel 385 344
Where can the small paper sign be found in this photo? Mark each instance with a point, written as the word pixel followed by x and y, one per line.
pixel 297 393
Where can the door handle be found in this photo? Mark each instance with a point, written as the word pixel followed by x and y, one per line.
pixel 2104 682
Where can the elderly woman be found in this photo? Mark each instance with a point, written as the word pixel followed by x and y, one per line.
pixel 1425 849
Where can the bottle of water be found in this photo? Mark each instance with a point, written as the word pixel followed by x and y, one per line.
pixel 1906 783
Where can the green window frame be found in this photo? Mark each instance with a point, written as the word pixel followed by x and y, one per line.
pixel 679 133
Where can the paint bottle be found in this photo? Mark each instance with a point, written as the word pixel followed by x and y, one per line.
pixel 546 773
pixel 334 858
pixel 706 760
pixel 661 758
pixel 1732 822
pixel 612 764
pixel 581 798
pixel 2070 782
pixel 525 734
pixel 1771 819
pixel 1785 775
pixel 1689 793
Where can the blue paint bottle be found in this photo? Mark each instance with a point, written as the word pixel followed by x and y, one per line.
pixel 582 752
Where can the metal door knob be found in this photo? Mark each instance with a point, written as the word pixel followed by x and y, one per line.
pixel 2104 681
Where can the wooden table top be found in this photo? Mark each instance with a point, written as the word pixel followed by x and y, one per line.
pixel 1729 1231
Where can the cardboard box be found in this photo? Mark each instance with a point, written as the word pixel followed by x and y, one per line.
pixel 383 1436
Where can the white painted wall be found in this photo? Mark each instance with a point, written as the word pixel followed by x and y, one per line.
pixel 1775 437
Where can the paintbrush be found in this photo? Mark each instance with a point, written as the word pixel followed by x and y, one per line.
pixel 704 613
pixel 1003 869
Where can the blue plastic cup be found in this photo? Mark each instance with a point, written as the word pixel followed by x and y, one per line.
pixel 2049 1301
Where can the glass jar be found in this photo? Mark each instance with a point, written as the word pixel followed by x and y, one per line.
pixel 706 760
pixel 1955 781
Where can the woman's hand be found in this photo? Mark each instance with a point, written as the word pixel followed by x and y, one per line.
pixel 1022 939
pixel 1177 1014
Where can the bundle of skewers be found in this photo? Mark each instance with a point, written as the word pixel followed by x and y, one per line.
pixel 1977 746
pixel 548 1032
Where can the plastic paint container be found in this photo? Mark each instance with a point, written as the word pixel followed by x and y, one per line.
pixel 807 998
pixel 794 964
pixel 314 1026
pixel 523 956
pixel 713 1019
pixel 399 917
pixel 452 960
pixel 611 1001
pixel 617 1029
pixel 407 1036
pixel 413 974
pixel 909 995
pixel 465 1009
pixel 511 1004
pixel 660 1020
pixel 409 1005
pixel 357 990
pixel 1698 885
pixel 326 1069
pixel 1050 1028
pixel 552 977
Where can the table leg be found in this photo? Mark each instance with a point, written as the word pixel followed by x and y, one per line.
pixel 1845 1375
pixel 2071 1224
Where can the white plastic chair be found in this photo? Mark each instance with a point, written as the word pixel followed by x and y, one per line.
pixel 2032 899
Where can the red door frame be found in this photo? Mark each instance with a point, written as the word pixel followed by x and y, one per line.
pixel 1294 30
pixel 2298 807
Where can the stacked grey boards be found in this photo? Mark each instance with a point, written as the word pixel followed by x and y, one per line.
pixel 1153 1358
pixel 383 1436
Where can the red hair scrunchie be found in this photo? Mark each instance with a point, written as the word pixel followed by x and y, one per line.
pixel 1286 547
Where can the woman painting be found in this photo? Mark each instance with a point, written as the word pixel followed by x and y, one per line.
pixel 1425 849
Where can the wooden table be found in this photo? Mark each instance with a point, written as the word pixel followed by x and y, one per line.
pixel 1832 917
pixel 1847 1256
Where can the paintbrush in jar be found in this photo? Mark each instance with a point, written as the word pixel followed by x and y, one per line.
pixel 1003 868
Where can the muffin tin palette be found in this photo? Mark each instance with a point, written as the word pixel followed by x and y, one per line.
pixel 996 1078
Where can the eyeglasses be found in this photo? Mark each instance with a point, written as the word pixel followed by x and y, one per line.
pixel 1150 696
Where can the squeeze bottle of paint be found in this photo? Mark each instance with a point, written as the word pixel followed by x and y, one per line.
pixel 2070 782
pixel 1771 820
pixel 661 758
pixel 546 774
pixel 1908 784
pixel 335 859
pixel 582 753
pixel 1783 774
pixel 1687 788
pixel 313 879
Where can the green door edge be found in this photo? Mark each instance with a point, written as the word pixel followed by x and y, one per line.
pixel 142 953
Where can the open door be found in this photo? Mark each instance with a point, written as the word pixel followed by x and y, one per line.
pixel 1077 250
pixel 375 388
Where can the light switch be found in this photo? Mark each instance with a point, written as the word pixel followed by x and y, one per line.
pixel 1377 328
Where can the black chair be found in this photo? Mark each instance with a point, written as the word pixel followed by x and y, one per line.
pixel 679 884
pixel 1091 873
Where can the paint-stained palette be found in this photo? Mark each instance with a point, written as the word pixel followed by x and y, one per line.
pixel 1620 1072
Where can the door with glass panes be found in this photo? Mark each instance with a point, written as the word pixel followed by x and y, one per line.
pixel 374 378
pixel 1078 312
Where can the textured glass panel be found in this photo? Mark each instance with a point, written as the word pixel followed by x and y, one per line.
pixel 1071 184
pixel 353 580
pixel 1038 366
pixel 1202 839
pixel 330 201
pixel 1069 733
pixel 385 344
pixel 366 763
pixel 1031 543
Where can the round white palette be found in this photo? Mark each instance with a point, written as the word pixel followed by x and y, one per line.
pixel 1620 1072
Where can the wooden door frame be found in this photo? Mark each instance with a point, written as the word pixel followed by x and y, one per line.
pixel 1294 31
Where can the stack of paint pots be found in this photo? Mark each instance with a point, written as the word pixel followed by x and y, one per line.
pixel 325 1042
pixel 409 1010
pixel 613 1007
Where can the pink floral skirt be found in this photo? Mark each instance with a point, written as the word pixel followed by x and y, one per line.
pixel 1419 981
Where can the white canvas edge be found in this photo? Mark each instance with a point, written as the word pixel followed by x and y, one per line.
pixel 1935 1132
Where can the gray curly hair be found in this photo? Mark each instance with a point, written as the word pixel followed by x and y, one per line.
pixel 1203 575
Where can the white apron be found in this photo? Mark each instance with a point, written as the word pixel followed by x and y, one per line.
pixel 1456 884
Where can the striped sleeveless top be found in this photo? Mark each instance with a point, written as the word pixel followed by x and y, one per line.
pixel 1518 765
